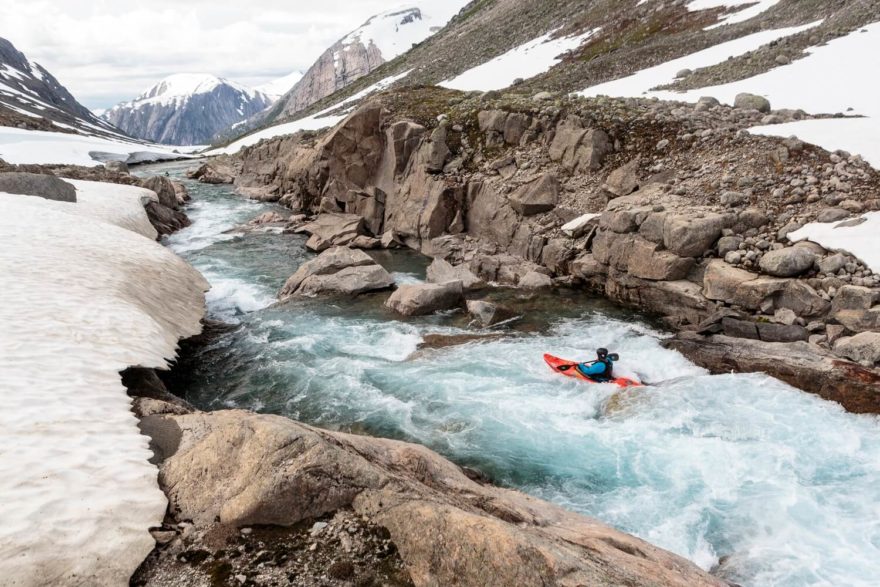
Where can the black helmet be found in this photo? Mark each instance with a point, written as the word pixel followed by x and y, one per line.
pixel 602 353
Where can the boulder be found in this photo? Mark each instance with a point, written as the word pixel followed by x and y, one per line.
pixel 337 270
pixel 556 254
pixel 720 281
pixel 535 280
pixel 423 299
pixel 540 195
pixel 733 199
pixel 862 348
pixel 746 101
pixel 332 229
pixel 491 120
pixel 441 271
pixel 692 236
pixel 647 261
pixel 207 173
pixel 854 297
pixel 728 244
pixel 47 187
pixel 623 180
pixel 164 188
pixel 787 262
pixel 231 469
pixel 586 267
pixel 770 332
pixel 515 127
pixel 577 148
pixel 488 313
pixel 801 299
pixel 833 263
pixel 828 215
pixel 755 294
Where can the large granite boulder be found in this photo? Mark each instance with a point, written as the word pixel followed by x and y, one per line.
pixel 441 271
pixel 862 348
pixel 230 469
pixel 721 280
pixel 692 235
pixel 164 188
pixel 577 148
pixel 332 229
pixel 541 195
pixel 787 262
pixel 47 187
pixel 423 299
pixel 211 174
pixel 339 270
pixel 623 180
pixel 489 313
pixel 747 101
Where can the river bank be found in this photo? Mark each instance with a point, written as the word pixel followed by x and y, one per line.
pixel 349 365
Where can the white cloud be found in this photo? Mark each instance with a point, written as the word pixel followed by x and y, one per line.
pixel 105 51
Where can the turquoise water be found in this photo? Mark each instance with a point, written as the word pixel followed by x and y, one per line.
pixel 740 473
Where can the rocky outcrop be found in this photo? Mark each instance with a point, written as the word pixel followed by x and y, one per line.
pixel 423 299
pixel 799 364
pixel 329 230
pixel 211 173
pixel 37 184
pixel 447 528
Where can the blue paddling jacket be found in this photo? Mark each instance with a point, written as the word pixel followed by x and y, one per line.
pixel 600 370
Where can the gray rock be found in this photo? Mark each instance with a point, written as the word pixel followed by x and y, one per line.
pixel 488 313
pixel 337 270
pixel 706 103
pixel 832 215
pixel 47 187
pixel 541 195
pixel 623 180
pixel 647 261
pixel 862 348
pixel 769 332
pixel 727 244
pixel 720 281
pixel 441 271
pixel 787 262
pixel 164 188
pixel 752 102
pixel 689 236
pixel 733 199
pixel 117 166
pixel 577 148
pixel 535 280
pixel 833 263
pixel 423 299
pixel 333 229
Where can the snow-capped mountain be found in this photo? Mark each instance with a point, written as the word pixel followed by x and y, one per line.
pixel 31 98
pixel 278 87
pixel 380 39
pixel 187 109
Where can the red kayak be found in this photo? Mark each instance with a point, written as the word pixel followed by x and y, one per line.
pixel 569 369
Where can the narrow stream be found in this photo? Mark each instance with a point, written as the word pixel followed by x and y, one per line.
pixel 781 487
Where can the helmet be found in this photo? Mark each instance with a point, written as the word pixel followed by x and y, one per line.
pixel 602 353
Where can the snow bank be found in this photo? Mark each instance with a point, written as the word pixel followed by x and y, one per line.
pixel 753 8
pixel 834 78
pixel 322 119
pixel 641 83
pixel 525 61
pixel 82 299
pixel 39 147
pixel 862 240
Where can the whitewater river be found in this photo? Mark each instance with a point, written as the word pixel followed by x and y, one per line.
pixel 776 486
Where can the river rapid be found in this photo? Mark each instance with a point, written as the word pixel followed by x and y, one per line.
pixel 742 474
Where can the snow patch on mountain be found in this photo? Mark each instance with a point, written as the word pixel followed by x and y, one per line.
pixel 752 8
pixel 278 87
pixel 394 32
pixel 527 60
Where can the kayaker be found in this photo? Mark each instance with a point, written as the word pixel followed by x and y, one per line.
pixel 602 369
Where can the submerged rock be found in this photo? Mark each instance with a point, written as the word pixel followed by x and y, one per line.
pixel 422 299
pixel 488 313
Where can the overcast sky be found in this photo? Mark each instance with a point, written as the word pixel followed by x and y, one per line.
pixel 107 51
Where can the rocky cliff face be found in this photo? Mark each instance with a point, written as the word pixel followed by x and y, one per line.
pixel 635 199
pixel 31 98
pixel 187 109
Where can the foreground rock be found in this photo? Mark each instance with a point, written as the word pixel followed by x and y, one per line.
pixel 339 270
pixel 36 184
pixel 449 530
pixel 799 364
pixel 423 299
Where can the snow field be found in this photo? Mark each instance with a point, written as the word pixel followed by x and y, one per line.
pixel 87 293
